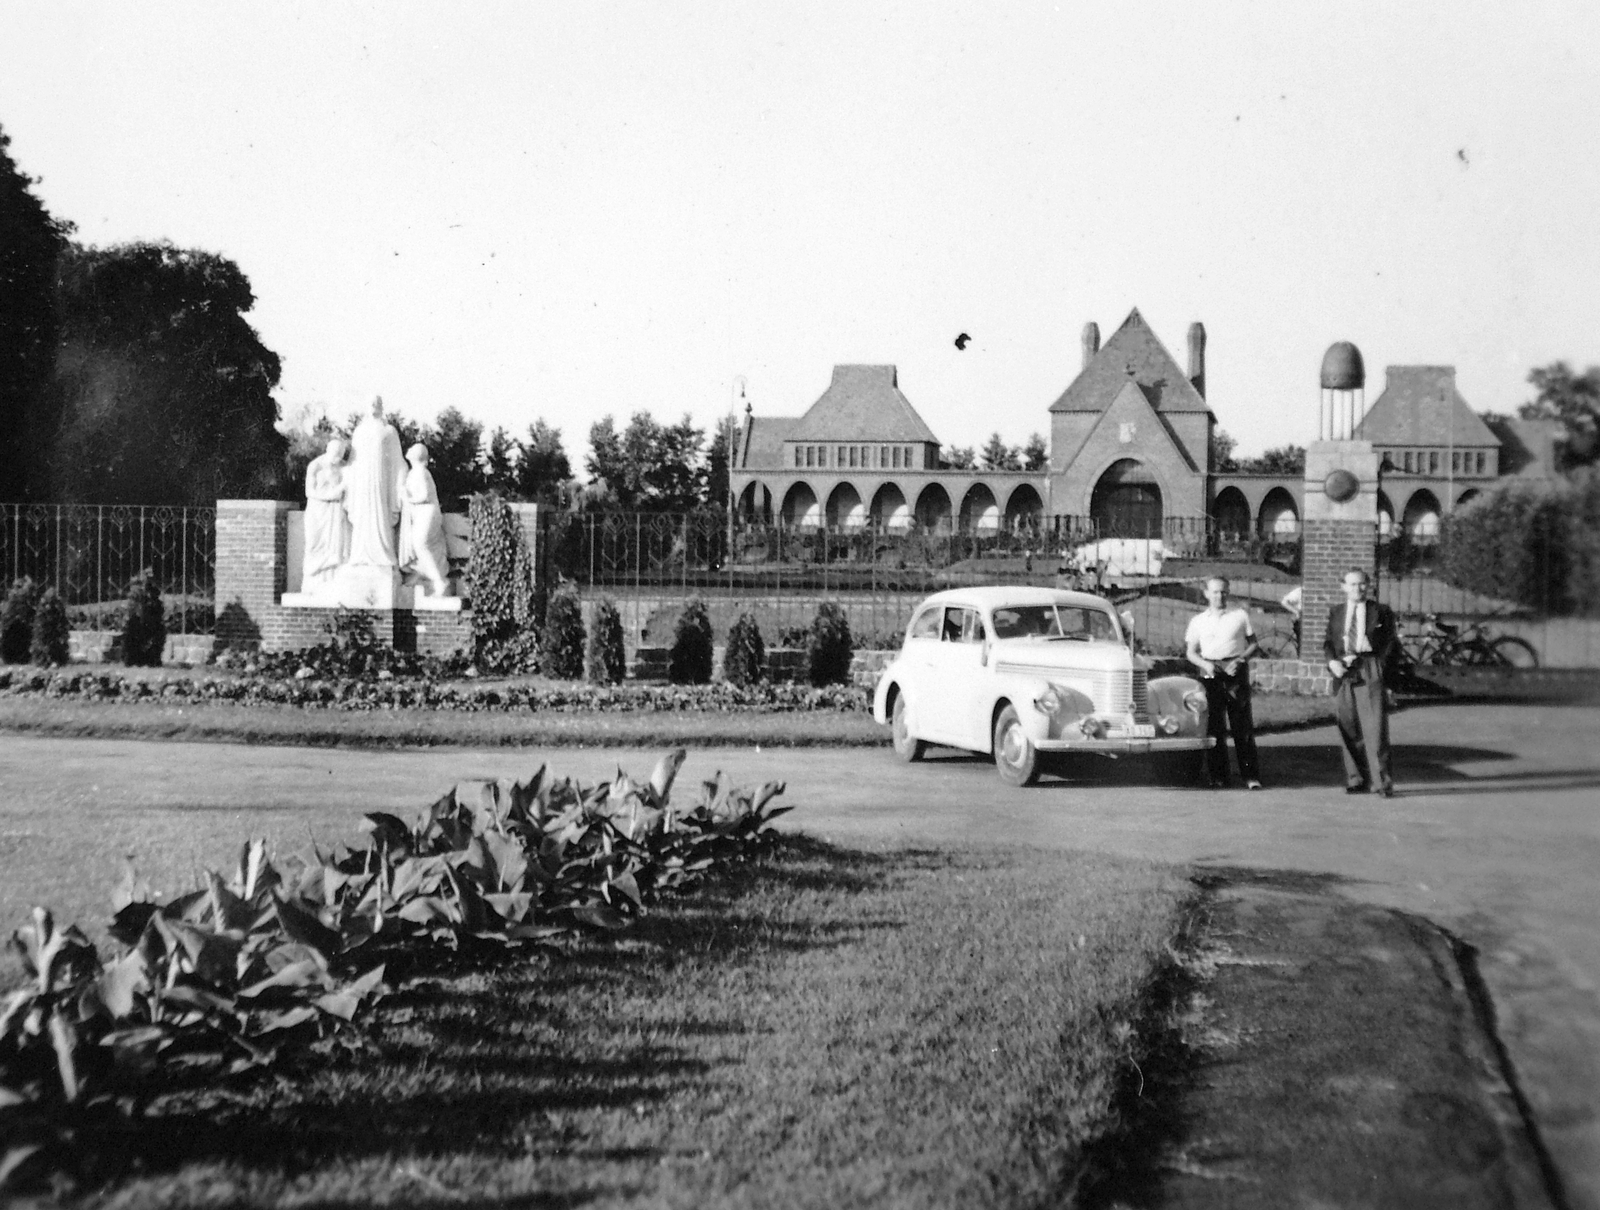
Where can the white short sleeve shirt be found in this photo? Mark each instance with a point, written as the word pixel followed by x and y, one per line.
pixel 1222 636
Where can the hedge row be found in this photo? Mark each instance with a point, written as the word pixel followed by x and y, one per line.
pixel 355 693
pixel 1534 543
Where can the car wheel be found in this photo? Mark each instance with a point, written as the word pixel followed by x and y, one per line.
pixel 1015 757
pixel 906 746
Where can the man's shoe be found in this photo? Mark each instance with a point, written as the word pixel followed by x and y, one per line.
pixel 1363 788
pixel 1385 791
pixel 1252 784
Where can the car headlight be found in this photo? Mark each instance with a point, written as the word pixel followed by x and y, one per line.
pixel 1169 725
pixel 1195 701
pixel 1050 702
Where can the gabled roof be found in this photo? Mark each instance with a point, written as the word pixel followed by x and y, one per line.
pixel 1134 351
pixel 862 403
pixel 763 439
pixel 1421 406
pixel 1131 407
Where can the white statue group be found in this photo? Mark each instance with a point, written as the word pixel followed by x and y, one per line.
pixel 373 513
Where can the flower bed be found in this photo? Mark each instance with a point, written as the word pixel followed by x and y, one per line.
pixel 306 687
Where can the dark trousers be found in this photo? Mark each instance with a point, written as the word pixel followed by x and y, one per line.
pixel 1228 712
pixel 1363 717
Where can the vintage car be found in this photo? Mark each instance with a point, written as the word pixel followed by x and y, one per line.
pixel 1026 673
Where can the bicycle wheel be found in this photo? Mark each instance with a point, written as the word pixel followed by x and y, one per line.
pixel 1478 653
pixel 1515 652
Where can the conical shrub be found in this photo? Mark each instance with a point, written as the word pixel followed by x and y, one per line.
pixel 561 646
pixel 608 657
pixel 50 644
pixel 829 646
pixel 144 632
pixel 690 660
pixel 16 621
pixel 744 661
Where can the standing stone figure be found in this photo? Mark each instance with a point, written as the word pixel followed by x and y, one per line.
pixel 373 487
pixel 327 528
pixel 422 546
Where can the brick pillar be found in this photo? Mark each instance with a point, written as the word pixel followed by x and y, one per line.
pixel 252 566
pixel 1337 535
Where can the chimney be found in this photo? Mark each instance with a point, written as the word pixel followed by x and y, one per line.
pixel 1197 357
pixel 1091 342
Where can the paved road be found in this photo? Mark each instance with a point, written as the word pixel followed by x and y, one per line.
pixel 1495 834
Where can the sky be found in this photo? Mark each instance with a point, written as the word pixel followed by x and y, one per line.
pixel 562 211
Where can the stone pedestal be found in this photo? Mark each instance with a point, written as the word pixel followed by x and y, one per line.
pixel 1339 532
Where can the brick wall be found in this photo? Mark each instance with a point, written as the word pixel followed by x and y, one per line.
pixel 1328 550
pixel 252 563
pixel 252 575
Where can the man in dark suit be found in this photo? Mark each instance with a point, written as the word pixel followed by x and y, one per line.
pixel 1360 644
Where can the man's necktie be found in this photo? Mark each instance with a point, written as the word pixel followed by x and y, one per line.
pixel 1350 613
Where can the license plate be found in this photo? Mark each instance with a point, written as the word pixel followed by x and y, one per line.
pixel 1137 731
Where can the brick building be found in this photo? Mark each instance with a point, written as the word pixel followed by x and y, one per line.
pixel 1130 449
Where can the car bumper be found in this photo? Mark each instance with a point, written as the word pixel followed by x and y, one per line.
pixel 1130 747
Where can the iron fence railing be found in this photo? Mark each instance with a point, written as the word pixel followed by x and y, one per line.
pixel 92 553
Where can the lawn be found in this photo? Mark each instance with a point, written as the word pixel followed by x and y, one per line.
pixel 421 727
pixel 824 1028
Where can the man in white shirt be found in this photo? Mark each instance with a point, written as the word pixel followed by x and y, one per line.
pixel 1219 643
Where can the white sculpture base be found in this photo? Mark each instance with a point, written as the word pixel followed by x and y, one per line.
pixel 370 588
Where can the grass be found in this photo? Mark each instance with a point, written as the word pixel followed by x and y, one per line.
pixel 423 728
pixel 829 1028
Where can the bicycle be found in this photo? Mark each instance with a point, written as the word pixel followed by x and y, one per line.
pixel 1471 644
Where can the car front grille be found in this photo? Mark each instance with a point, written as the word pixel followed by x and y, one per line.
pixel 1111 692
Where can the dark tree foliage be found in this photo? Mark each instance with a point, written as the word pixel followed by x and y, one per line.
pixel 1574 401
pixel 561 646
pixel 16 621
pixel 744 660
pixel 30 243
pixel 455 457
pixel 164 389
pixel 500 462
pixel 649 466
pixel 542 466
pixel 1035 454
pixel 1222 447
pixel 1281 460
pixel 144 630
pixel 691 657
pixel 52 632
pixel 829 646
pixel 717 469
pixel 996 455
pixel 958 458
pixel 1512 542
pixel 608 657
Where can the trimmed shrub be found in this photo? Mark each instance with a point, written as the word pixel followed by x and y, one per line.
pixel 608 658
pixel 144 631
pixel 506 613
pixel 1583 541
pixel 16 621
pixel 561 644
pixel 51 631
pixel 828 646
pixel 691 657
pixel 744 662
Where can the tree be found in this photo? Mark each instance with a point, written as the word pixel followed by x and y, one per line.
pixel 164 390
pixel 649 466
pixel 1574 401
pixel 1281 460
pixel 1222 447
pixel 958 457
pixel 500 462
pixel 455 457
pixel 542 465
pixel 30 244
pixel 996 455
pixel 717 469
pixel 1035 454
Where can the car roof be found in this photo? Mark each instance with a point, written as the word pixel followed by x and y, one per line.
pixel 992 595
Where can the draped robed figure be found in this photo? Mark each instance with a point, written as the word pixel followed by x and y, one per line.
pixel 374 488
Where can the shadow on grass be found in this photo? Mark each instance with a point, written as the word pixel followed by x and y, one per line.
pixel 483 1059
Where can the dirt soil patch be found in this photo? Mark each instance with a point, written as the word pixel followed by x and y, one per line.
pixel 1319 1052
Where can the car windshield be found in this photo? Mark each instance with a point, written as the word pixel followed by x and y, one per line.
pixel 1053 622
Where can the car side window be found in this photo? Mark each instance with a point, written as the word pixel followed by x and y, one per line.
pixel 972 627
pixel 926 625
pixel 953 616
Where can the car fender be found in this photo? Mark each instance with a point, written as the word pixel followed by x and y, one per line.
pixel 1168 697
pixel 1020 692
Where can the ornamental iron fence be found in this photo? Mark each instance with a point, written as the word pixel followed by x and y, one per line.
pixel 92 553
